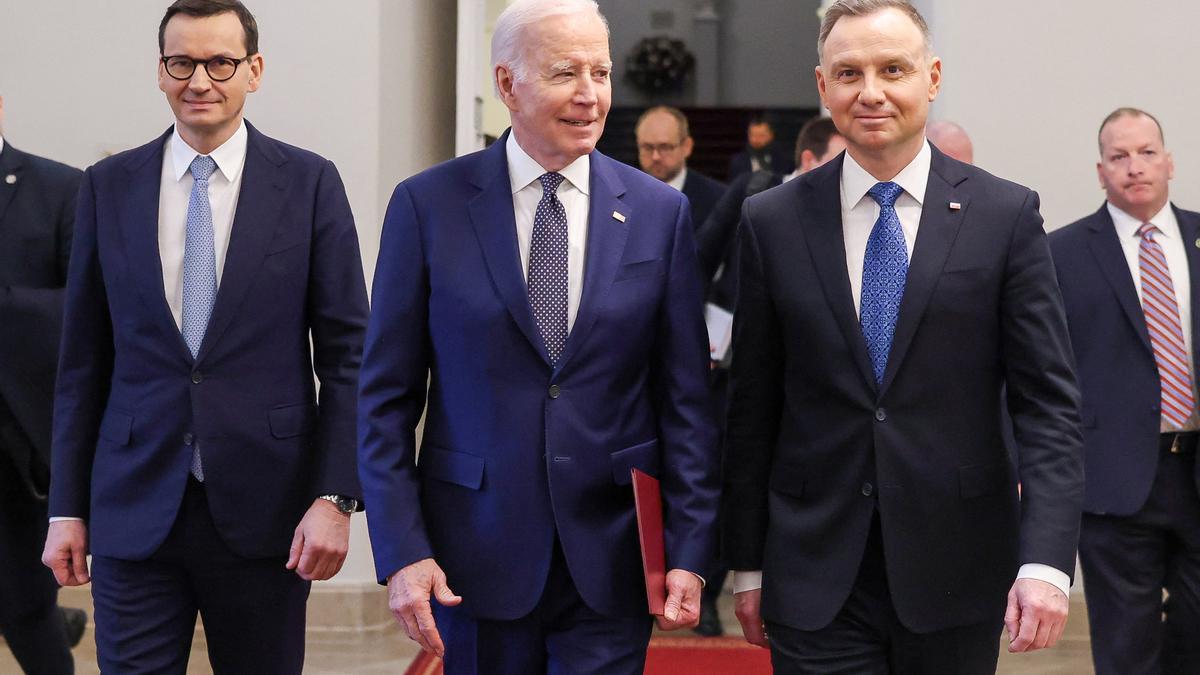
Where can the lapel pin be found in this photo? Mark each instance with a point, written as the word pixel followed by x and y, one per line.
pixel 10 178
pixel 618 216
pixel 1198 243
pixel 954 206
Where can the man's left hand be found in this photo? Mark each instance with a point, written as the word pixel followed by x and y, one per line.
pixel 1036 615
pixel 683 601
pixel 321 541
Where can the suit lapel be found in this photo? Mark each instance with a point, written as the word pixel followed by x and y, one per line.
pixel 260 201
pixel 138 218
pixel 1189 230
pixel 10 165
pixel 1110 258
pixel 936 233
pixel 605 246
pixel 495 225
pixel 819 212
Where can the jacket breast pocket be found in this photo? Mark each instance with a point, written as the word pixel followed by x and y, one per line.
pixel 643 456
pixel 459 468
pixel 116 427
pixel 289 421
pixel 642 268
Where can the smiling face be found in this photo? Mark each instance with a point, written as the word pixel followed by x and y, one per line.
pixel 1134 167
pixel 877 79
pixel 207 112
pixel 558 111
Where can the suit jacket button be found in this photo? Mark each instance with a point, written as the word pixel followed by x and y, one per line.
pixel 197 378
pixel 868 489
pixel 554 391
pixel 880 414
pixel 188 438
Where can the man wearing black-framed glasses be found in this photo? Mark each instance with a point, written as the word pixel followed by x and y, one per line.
pixel 191 455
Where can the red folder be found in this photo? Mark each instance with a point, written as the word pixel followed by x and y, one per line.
pixel 647 500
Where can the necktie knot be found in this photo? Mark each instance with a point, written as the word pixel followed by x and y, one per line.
pixel 885 194
pixel 203 167
pixel 550 182
pixel 1147 231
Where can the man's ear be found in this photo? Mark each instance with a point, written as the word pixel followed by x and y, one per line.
pixel 503 76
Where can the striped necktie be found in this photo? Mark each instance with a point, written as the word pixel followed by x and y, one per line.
pixel 1166 331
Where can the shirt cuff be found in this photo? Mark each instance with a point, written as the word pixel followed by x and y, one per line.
pixel 1047 574
pixel 56 519
pixel 747 581
pixel 703 583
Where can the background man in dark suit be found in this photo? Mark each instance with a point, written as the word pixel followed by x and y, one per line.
pixel 547 297
pixel 866 477
pixel 37 207
pixel 1128 277
pixel 762 153
pixel 664 144
pixel 190 450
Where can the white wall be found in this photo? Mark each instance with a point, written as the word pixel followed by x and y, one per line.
pixel 368 84
pixel 1032 80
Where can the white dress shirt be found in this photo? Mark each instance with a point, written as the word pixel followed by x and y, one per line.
pixel 176 189
pixel 859 213
pixel 523 173
pixel 679 179
pixel 1175 250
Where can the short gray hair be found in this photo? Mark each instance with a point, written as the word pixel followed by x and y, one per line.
pixel 844 8
pixel 508 37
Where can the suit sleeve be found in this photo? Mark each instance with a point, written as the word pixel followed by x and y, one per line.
pixel 392 391
pixel 755 406
pixel 1043 397
pixel 337 310
pixel 689 478
pixel 717 232
pixel 84 367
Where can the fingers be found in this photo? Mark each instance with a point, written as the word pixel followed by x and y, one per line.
pixel 428 629
pixel 296 548
pixel 1026 634
pixel 79 565
pixel 747 607
pixel 442 592
pixel 409 592
pixel 671 608
pixel 1012 616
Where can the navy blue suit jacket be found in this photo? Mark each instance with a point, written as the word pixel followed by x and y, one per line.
pixel 815 447
pixel 36 212
pixel 702 193
pixel 1117 372
pixel 130 398
pixel 516 453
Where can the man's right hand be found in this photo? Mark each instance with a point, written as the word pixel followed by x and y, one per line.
pixel 66 552
pixel 409 591
pixel 747 606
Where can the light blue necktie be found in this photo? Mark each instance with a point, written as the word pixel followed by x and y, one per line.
pixel 885 269
pixel 199 270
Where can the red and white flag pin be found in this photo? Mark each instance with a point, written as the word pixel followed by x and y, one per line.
pixel 619 216
pixel 955 206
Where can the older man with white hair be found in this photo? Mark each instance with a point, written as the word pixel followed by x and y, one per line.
pixel 545 300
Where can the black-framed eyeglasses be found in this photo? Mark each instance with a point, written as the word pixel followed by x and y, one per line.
pixel 219 68
pixel 660 148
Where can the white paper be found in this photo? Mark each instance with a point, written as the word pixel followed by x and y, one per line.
pixel 720 330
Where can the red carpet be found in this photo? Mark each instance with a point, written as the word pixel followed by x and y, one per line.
pixel 672 656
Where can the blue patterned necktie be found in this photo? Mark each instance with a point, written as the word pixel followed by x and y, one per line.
pixel 199 270
pixel 885 269
pixel 547 282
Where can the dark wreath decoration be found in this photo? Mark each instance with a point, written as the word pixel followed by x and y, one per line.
pixel 659 64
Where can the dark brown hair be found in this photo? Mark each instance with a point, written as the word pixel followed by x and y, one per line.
pixel 206 8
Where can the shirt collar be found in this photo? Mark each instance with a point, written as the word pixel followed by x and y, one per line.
pixel 523 169
pixel 679 179
pixel 230 156
pixel 1 144
pixel 856 182
pixel 1127 225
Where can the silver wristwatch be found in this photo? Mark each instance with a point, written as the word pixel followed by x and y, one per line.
pixel 344 504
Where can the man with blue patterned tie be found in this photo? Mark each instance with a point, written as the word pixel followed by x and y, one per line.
pixel 871 510
pixel 1128 274
pixel 548 299
pixel 192 456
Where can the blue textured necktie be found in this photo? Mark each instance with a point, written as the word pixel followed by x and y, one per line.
pixel 885 269
pixel 199 270
pixel 547 282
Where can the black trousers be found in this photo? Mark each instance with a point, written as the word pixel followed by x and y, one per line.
pixel 29 613
pixel 867 638
pixel 1127 563
pixel 253 609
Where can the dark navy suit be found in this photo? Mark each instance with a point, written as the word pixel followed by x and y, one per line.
pixel 37 209
pixel 524 469
pixel 1141 525
pixel 702 193
pixel 131 400
pixel 900 497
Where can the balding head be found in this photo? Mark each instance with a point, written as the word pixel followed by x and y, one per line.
pixel 952 140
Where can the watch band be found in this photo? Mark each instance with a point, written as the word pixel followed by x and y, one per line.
pixel 346 505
